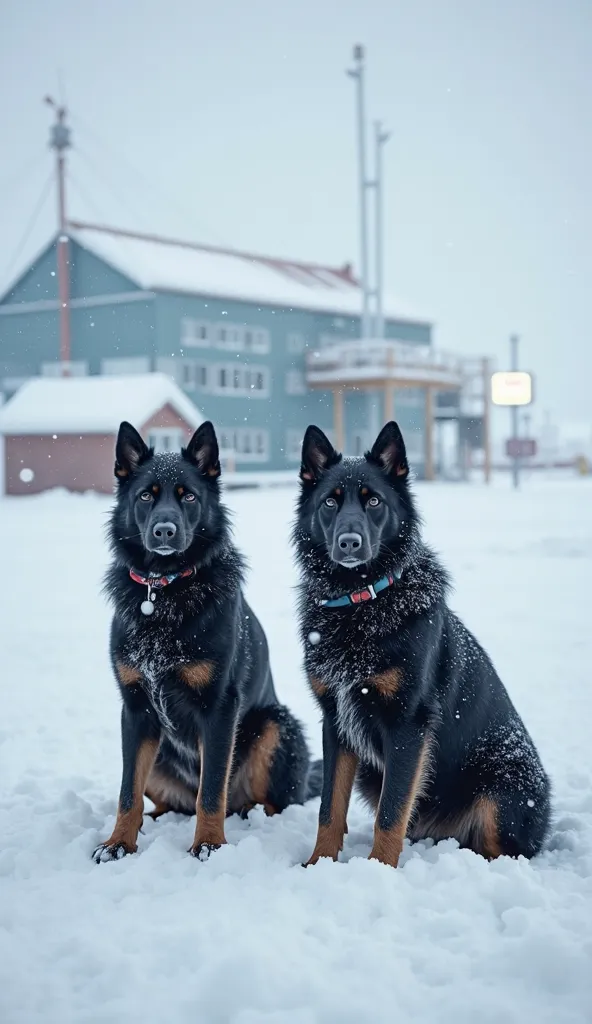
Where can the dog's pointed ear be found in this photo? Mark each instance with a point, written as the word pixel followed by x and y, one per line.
pixel 317 455
pixel 130 450
pixel 203 452
pixel 388 452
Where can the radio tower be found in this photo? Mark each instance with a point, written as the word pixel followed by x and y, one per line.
pixel 59 140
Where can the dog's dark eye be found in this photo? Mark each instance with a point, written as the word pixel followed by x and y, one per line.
pixel 374 502
pixel 330 502
pixel 145 496
pixel 188 496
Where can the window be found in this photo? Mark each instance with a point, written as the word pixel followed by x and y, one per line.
pixel 295 382
pixel 244 380
pixel 294 438
pixel 295 344
pixel 166 439
pixel 229 336
pixel 257 340
pixel 194 376
pixel 410 398
pixel 195 333
pixel 249 444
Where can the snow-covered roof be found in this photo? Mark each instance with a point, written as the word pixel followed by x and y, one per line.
pixel 92 405
pixel 162 264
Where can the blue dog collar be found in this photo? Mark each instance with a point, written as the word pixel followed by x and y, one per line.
pixel 369 593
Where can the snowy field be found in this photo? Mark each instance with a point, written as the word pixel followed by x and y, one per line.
pixel 250 937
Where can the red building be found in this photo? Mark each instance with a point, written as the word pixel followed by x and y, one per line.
pixel 60 432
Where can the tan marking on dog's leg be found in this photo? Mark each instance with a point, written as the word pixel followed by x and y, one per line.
pixel 128 822
pixel 388 843
pixel 209 827
pixel 330 837
pixel 486 815
pixel 259 761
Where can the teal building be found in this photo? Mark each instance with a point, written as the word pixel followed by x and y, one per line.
pixel 235 330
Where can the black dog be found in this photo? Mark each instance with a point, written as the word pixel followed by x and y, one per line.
pixel 410 701
pixel 201 725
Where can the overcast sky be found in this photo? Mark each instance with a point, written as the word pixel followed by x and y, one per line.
pixel 233 122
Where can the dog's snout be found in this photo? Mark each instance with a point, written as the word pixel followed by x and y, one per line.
pixel 164 531
pixel 349 543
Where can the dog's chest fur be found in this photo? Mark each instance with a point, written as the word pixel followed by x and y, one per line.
pixel 345 659
pixel 355 722
pixel 155 650
pixel 349 647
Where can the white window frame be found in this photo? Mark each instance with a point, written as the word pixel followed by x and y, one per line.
pixel 233 339
pixel 166 439
pixel 295 382
pixel 195 333
pixel 295 343
pixel 249 444
pixel 195 376
pixel 257 340
pixel 240 380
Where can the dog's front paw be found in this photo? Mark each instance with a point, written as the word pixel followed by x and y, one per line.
pixel 203 850
pixel 316 857
pixel 111 851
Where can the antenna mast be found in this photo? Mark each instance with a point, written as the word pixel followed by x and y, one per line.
pixel 357 73
pixel 59 141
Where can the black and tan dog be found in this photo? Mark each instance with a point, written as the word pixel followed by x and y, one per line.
pixel 201 726
pixel 411 703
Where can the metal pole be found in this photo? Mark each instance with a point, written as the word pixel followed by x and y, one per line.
pixel 338 419
pixel 429 434
pixel 380 138
pixel 60 142
pixel 514 413
pixel 486 422
pixel 358 74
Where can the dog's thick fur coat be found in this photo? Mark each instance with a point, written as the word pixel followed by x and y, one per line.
pixel 202 729
pixel 412 705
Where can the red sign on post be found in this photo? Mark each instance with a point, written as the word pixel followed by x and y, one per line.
pixel 521 448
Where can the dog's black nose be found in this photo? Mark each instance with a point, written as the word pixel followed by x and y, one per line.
pixel 349 543
pixel 164 531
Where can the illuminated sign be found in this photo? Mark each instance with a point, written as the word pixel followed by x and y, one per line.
pixel 511 387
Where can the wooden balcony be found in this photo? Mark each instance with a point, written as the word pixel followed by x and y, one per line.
pixel 387 366
pixel 374 364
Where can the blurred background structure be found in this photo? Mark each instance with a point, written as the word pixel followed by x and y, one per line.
pixel 265 344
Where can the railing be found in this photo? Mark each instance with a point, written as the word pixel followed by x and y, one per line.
pixel 382 360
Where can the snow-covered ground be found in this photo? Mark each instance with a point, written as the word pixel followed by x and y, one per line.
pixel 250 936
